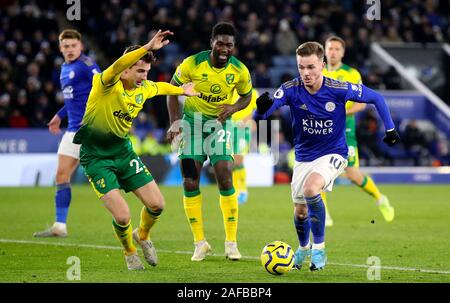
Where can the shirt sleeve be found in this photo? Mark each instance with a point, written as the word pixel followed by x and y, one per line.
pixel 62 113
pixel 165 88
pixel 112 74
pixel 182 73
pixel 362 94
pixel 244 86
pixel 356 79
pixel 90 71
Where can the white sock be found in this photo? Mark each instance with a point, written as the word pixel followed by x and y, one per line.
pixel 60 226
pixel 318 245
pixel 307 247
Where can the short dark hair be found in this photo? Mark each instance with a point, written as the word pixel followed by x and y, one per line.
pixel 148 58
pixel 310 48
pixel 69 34
pixel 223 28
pixel 336 38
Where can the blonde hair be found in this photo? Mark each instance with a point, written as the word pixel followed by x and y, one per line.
pixel 69 34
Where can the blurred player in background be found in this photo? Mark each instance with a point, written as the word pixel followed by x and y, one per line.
pixel 216 73
pixel 106 153
pixel 241 143
pixel 335 69
pixel 76 81
pixel 317 107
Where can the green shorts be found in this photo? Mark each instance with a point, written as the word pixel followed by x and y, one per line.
pixel 206 138
pixel 241 139
pixel 125 171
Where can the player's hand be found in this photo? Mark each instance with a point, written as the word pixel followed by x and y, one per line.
pixel 158 41
pixel 391 137
pixel 263 103
pixel 173 132
pixel 189 89
pixel 54 125
pixel 226 111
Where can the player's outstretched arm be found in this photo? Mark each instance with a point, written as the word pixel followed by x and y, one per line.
pixel 368 95
pixel 168 89
pixel 112 74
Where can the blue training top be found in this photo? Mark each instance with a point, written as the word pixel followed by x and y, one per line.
pixel 318 120
pixel 76 83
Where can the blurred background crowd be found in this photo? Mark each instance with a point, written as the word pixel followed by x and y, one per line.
pixel 268 34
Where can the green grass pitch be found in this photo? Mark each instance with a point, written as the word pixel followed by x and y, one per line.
pixel 415 247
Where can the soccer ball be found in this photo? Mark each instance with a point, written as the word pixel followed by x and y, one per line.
pixel 277 258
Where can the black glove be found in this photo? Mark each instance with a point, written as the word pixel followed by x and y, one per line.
pixel 391 137
pixel 263 103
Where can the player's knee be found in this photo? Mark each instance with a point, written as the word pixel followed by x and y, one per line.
pixel 225 183
pixel 159 204
pixel 311 191
pixel 123 218
pixel 190 184
pixel 62 177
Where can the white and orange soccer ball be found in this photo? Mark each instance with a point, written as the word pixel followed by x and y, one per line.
pixel 277 257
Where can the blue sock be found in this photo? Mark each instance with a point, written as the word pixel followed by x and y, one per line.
pixel 303 228
pixel 62 201
pixel 316 213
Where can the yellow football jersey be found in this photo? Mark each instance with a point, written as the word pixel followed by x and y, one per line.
pixel 112 109
pixel 344 73
pixel 215 85
pixel 248 111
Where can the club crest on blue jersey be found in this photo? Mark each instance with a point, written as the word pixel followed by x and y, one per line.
pixel 330 106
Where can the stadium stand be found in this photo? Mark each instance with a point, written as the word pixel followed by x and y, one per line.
pixel 30 60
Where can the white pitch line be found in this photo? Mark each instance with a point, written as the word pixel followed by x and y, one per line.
pixel 431 271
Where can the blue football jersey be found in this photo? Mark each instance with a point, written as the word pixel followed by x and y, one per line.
pixel 76 83
pixel 318 120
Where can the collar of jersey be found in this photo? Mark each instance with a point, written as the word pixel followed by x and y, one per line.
pixel 215 68
pixel 126 91
pixel 323 84
pixel 340 67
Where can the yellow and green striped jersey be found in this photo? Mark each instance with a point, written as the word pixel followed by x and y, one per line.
pixel 111 109
pixel 215 85
pixel 248 111
pixel 346 73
